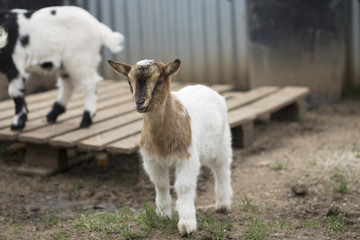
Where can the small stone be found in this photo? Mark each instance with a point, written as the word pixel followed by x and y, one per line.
pixel 299 189
pixel 99 206
pixel 16 148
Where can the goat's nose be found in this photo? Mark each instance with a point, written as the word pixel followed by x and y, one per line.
pixel 139 102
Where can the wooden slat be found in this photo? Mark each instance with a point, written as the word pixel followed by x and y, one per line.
pixel 127 145
pixel 266 105
pixel 100 141
pixel 280 99
pixel 242 98
pixel 221 88
pixel 71 139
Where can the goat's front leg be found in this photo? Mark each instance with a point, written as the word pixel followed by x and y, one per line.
pixel 66 90
pixel 90 105
pixel 17 91
pixel 187 171
pixel 160 177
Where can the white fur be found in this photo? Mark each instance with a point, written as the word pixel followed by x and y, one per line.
pixel 144 62
pixel 210 146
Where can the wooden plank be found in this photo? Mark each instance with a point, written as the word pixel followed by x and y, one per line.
pixel 266 105
pixel 121 105
pixel 278 100
pixel 100 141
pixel 127 145
pixel 242 98
pixel 222 88
pixel 77 100
pixel 71 139
pixel 74 108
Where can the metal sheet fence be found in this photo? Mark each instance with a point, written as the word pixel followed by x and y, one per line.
pixel 209 36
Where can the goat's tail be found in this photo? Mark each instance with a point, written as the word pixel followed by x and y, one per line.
pixel 3 37
pixel 114 41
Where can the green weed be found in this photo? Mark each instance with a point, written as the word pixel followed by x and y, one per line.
pixel 336 224
pixel 59 235
pixel 257 230
pixel 282 223
pixel 247 205
pixel 49 219
pixel 340 182
pixel 218 227
pixel 312 223
pixel 277 166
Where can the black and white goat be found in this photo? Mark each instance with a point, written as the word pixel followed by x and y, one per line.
pixel 65 41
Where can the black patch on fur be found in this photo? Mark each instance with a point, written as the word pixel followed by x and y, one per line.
pixel 53 12
pixel 47 65
pixel 21 123
pixel 8 21
pixel 56 110
pixel 29 13
pixel 86 120
pixel 19 104
pixel 24 40
pixel 64 75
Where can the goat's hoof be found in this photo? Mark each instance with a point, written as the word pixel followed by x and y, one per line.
pixel 86 120
pixel 56 110
pixel 187 227
pixel 20 123
pixel 223 210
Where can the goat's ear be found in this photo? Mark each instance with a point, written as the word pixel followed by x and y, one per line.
pixel 171 68
pixel 119 67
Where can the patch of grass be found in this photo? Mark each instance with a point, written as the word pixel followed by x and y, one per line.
pixel 277 166
pixel 128 222
pixel 312 223
pixel 150 220
pixel 218 227
pixel 340 182
pixel 247 205
pixel 49 219
pixel 312 162
pixel 3 238
pixel 14 222
pixel 336 224
pixel 282 223
pixel 256 230
pixel 59 235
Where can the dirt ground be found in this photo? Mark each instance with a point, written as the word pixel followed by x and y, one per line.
pixel 288 180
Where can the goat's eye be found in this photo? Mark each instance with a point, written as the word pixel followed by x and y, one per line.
pixel 159 82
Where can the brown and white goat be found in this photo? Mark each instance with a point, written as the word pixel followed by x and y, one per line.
pixel 184 129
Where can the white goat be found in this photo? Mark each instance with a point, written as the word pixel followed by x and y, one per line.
pixel 184 129
pixel 59 40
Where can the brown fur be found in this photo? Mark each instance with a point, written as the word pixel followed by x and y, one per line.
pixel 167 133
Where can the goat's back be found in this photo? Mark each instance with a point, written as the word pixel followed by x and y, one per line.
pixel 208 112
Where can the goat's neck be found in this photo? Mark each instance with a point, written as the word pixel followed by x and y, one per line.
pixel 161 115
pixel 167 131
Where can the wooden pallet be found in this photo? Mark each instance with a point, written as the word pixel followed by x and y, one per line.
pixel 116 128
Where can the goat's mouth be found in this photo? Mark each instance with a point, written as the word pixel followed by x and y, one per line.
pixel 142 109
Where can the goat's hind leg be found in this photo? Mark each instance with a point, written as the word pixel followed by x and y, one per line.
pixel 221 168
pixel 17 93
pixel 65 92
pixel 90 94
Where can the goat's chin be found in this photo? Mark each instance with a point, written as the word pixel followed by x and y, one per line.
pixel 142 109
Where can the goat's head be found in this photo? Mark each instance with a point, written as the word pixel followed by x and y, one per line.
pixel 149 81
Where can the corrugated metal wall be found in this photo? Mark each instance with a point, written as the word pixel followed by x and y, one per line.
pixel 209 36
